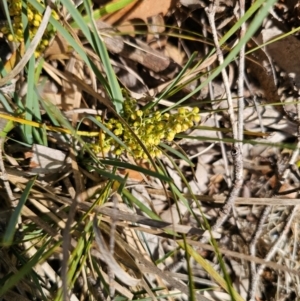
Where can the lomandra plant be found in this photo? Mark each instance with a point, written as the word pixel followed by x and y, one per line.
pixel 149 124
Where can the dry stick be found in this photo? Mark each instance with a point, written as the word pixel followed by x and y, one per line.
pixel 217 124
pixel 237 150
pixel 252 246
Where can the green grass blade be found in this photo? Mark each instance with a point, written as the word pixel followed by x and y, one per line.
pixel 107 9
pixel 140 205
pixel 108 175
pixel 99 46
pixel 30 101
pixel 209 269
pixel 125 165
pixel 11 228
pixel 177 154
pixel 25 269
pixel 7 15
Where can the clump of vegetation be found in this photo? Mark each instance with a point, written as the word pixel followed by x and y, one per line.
pixel 149 125
pixel 34 20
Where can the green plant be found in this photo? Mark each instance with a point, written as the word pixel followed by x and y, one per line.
pixel 149 125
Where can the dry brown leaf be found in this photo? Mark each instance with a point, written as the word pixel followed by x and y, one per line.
pixel 57 47
pixel 174 53
pixel 132 174
pixel 140 10
pixel 286 187
pixel 214 184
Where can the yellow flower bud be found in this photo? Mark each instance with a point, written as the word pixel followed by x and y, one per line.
pixel 182 111
pixel 10 37
pixel 45 42
pixel 118 152
pixel 158 153
pixel 177 128
pixel 171 136
pixel 38 17
pixel 139 113
pixel 197 118
pixel 54 15
pixel 36 23
pixel 195 110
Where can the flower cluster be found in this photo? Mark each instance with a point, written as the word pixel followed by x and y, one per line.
pixel 34 21
pixel 150 126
